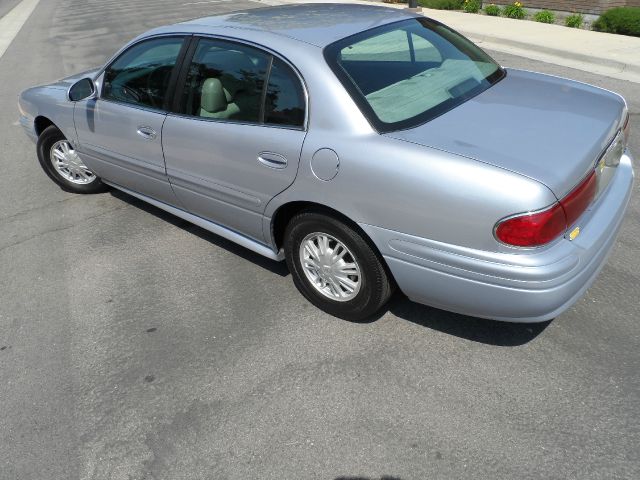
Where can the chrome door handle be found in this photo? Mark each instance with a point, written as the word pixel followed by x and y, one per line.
pixel 146 132
pixel 272 160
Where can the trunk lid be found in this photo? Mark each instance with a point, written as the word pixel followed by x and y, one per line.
pixel 547 128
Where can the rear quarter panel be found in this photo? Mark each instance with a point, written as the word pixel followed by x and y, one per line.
pixel 414 189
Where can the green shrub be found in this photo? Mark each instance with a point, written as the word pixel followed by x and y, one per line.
pixel 574 21
pixel 622 20
pixel 472 6
pixel 442 4
pixel 492 10
pixel 515 10
pixel 545 16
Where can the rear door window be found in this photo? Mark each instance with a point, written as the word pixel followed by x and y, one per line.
pixel 235 82
pixel 225 81
pixel 284 100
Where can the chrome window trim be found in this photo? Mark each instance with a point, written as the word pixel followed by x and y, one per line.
pixel 234 122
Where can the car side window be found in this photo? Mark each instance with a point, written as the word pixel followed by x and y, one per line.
pixel 140 76
pixel 225 81
pixel 228 81
pixel 284 101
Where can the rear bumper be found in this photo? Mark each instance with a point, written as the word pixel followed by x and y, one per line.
pixel 527 286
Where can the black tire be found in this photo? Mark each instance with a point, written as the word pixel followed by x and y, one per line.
pixel 46 141
pixel 376 286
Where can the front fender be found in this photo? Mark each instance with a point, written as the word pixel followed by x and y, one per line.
pixel 48 102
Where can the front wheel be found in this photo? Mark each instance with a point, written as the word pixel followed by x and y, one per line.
pixel 62 164
pixel 334 267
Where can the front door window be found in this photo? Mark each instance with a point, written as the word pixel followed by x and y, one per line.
pixel 141 75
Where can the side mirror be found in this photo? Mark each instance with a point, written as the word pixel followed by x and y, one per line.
pixel 82 89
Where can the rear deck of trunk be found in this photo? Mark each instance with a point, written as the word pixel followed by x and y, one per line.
pixel 547 128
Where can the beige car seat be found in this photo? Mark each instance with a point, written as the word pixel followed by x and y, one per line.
pixel 215 102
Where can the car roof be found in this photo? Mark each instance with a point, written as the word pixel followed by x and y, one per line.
pixel 317 24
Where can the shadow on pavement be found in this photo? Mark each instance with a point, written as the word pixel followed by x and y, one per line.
pixel 279 268
pixel 479 330
pixel 490 332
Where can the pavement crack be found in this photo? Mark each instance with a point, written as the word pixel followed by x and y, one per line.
pixel 54 230
pixel 35 209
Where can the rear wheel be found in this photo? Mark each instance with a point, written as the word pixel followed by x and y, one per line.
pixel 334 267
pixel 62 164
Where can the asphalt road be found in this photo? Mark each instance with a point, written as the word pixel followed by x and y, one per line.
pixel 135 346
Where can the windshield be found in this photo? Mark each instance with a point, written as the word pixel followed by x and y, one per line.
pixel 406 73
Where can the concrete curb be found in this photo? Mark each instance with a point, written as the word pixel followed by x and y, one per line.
pixel 629 71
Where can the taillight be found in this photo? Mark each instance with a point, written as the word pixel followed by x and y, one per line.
pixel 537 228
pixel 579 198
pixel 533 229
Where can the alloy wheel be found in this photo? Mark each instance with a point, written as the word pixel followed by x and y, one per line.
pixel 330 267
pixel 68 164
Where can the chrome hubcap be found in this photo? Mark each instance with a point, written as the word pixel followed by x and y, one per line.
pixel 68 164
pixel 330 267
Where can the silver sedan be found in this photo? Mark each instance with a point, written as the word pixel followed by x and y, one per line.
pixel 371 148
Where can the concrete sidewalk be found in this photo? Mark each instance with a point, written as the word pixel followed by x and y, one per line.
pixel 616 56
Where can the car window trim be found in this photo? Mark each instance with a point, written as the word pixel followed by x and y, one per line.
pixel 263 94
pixel 177 68
pixel 183 70
pixel 186 40
pixel 184 67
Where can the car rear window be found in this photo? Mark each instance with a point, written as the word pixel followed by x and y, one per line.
pixel 406 73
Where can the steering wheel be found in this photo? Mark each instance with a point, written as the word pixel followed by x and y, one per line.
pixel 131 93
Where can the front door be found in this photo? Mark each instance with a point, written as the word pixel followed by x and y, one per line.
pixel 120 132
pixel 236 140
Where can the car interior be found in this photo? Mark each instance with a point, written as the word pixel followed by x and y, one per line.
pixel 225 84
pixel 402 74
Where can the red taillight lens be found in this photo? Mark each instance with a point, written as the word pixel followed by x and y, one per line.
pixel 579 199
pixel 535 229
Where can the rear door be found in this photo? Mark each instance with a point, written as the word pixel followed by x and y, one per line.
pixel 235 142
pixel 119 132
